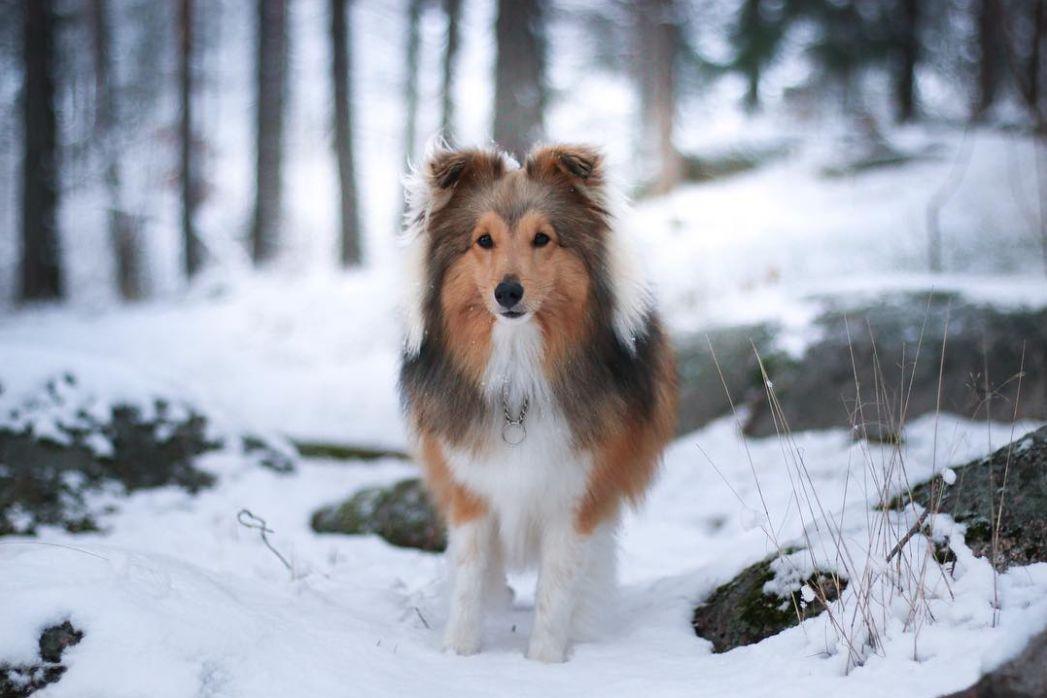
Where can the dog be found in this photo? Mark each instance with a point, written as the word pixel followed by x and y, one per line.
pixel 538 384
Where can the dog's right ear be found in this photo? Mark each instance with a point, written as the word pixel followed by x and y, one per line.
pixel 447 172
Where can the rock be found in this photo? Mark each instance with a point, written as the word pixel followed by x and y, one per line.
pixel 60 445
pixel 1022 537
pixel 400 513
pixel 702 396
pixel 817 389
pixel 1025 676
pixel 20 680
pixel 742 613
pixel 265 454
pixel 337 451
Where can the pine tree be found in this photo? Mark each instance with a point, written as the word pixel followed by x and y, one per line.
pixel 271 91
pixel 41 256
pixel 453 10
pixel 192 251
pixel 756 37
pixel 122 233
pixel 658 39
pixel 519 89
pixel 341 74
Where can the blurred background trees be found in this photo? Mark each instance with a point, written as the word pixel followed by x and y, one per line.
pixel 115 104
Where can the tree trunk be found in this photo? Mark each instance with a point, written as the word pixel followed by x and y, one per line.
pixel 192 253
pixel 271 90
pixel 658 41
pixel 749 35
pixel 990 45
pixel 41 256
pixel 341 73
pixel 453 10
pixel 519 87
pixel 122 234
pixel 752 90
pixel 1034 95
pixel 414 14
pixel 908 56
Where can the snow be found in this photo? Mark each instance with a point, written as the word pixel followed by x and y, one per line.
pixel 178 589
pixel 177 598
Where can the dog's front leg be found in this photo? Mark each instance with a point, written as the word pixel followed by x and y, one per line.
pixel 471 553
pixel 563 557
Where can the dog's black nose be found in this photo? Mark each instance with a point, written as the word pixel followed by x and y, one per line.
pixel 508 293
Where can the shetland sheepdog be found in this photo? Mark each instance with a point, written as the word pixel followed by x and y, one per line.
pixel 537 381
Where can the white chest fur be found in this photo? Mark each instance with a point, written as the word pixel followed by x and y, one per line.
pixel 537 482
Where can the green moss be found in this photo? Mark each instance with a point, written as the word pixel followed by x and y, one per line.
pixel 401 514
pixel 975 497
pixel 334 451
pixel 740 613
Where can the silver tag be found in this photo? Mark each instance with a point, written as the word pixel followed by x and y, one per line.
pixel 513 433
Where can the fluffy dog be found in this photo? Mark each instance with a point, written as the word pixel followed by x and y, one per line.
pixel 538 383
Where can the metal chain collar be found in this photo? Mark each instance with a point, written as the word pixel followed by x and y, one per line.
pixel 513 430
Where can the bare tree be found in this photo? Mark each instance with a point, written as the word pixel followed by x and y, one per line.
pixel 41 256
pixel 908 55
pixel 122 233
pixel 519 88
pixel 658 38
pixel 989 21
pixel 192 252
pixel 453 10
pixel 271 90
pixel 414 14
pixel 341 74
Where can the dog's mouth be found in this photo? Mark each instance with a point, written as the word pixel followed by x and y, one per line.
pixel 512 314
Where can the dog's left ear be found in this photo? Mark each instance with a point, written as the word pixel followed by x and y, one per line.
pixel 579 166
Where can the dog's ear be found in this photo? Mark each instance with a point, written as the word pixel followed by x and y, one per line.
pixel 444 172
pixel 579 166
pixel 447 169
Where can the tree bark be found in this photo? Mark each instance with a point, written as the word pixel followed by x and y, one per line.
pixel 191 249
pixel 41 255
pixel 658 41
pixel 271 92
pixel 122 235
pixel 1034 96
pixel 990 44
pixel 453 10
pixel 341 73
pixel 414 14
pixel 908 57
pixel 519 89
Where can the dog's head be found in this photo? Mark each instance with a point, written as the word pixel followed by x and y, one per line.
pixel 510 244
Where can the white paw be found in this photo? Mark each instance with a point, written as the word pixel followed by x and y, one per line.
pixel 545 648
pixel 461 640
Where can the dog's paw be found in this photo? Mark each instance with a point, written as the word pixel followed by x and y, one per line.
pixel 547 649
pixel 461 641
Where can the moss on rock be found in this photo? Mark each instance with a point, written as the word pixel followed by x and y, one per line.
pixel 21 680
pixel 980 488
pixel 46 475
pixel 741 613
pixel 401 514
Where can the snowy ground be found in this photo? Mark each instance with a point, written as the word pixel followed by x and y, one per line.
pixel 177 599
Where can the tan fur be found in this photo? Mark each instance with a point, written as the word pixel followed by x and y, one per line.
pixel 475 193
pixel 627 458
pixel 456 503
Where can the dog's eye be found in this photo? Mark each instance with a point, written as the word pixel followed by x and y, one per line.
pixel 541 240
pixel 485 241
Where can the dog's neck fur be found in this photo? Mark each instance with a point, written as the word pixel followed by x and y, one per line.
pixel 514 370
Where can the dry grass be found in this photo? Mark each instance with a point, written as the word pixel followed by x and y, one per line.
pixel 889 562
